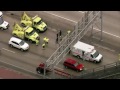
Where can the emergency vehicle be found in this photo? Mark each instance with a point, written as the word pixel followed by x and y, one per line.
pixel 35 22
pixel 4 25
pixel 25 33
pixel 86 52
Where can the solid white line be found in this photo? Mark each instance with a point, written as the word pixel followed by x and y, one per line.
pixel 76 22
pixel 107 33
pixel 8 50
pixel 16 66
pixel 81 11
pixel 21 68
pixel 60 16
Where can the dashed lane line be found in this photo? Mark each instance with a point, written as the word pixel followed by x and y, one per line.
pixel 8 50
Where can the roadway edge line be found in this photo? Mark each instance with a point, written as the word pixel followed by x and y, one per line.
pixel 23 69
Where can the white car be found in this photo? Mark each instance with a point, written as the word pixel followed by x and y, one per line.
pixel 1 14
pixel 3 24
pixel 18 43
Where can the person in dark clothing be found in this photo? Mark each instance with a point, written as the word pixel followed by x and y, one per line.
pixel 57 40
pixel 57 35
pixel 69 51
pixel 60 33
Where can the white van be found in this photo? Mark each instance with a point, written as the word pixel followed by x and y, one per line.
pixel 86 52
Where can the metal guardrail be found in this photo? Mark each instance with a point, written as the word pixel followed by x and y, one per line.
pixel 98 72
pixel 112 76
pixel 91 73
pixel 82 29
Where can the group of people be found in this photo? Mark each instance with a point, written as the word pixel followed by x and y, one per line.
pixel 45 42
pixel 59 37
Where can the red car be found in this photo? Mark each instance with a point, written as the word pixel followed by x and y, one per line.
pixel 72 64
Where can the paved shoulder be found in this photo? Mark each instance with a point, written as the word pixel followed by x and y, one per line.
pixel 6 73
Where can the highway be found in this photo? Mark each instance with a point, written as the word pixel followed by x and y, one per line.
pixel 109 47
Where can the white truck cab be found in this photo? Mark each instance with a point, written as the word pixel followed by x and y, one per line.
pixel 86 52
pixel 3 24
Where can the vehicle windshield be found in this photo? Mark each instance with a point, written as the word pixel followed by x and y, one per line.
pixel 22 43
pixel 31 33
pixel 1 20
pixel 39 22
pixel 95 54
pixel 76 64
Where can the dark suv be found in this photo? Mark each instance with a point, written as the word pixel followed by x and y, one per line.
pixel 40 69
pixel 72 64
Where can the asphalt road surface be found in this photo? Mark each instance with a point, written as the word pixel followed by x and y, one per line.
pixel 7 73
pixel 108 47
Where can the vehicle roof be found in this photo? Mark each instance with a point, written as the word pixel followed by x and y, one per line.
pixel 70 61
pixel 83 46
pixel 1 13
pixel 15 39
pixel 28 29
pixel 37 19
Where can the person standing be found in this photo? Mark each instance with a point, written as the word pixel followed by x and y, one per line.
pixel 57 40
pixel 37 43
pixel 47 39
pixel 57 35
pixel 60 33
pixel 44 39
pixel 43 45
pixel 68 32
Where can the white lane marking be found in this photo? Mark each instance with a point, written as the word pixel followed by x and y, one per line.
pixel 104 47
pixel 8 50
pixel 21 68
pixel 81 11
pixel 15 66
pixel 107 33
pixel 76 22
pixel 60 17
pixel 58 68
